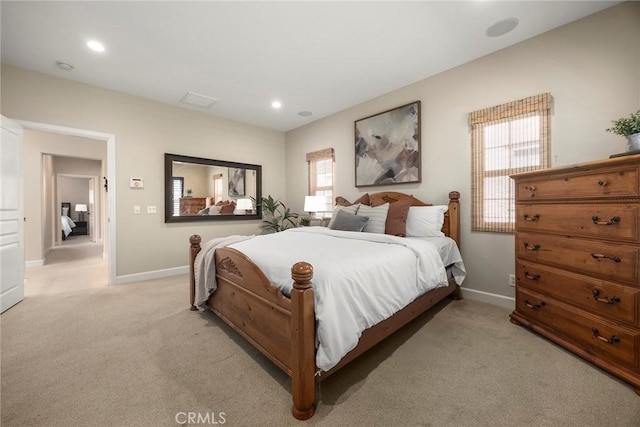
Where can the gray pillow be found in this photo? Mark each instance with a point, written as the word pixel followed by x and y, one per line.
pixel 347 221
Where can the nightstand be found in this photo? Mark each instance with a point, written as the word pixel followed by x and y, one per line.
pixel 81 228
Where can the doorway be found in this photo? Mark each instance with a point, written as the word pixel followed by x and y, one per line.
pixel 108 235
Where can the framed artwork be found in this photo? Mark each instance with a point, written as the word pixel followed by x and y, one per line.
pixel 387 147
pixel 236 182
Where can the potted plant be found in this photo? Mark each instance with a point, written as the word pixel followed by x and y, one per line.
pixel 630 127
pixel 189 192
pixel 276 216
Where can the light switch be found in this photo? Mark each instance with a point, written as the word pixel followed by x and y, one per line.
pixel 136 210
pixel 151 209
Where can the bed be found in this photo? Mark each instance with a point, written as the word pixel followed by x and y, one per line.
pixel 286 324
pixel 66 222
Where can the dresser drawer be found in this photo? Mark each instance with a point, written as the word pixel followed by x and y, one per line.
pixel 597 335
pixel 604 260
pixel 623 182
pixel 618 222
pixel 618 302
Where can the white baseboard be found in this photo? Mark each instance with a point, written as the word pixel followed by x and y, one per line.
pixel 150 275
pixel 495 299
pixel 33 264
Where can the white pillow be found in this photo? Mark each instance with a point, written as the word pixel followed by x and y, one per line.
pixel 65 211
pixel 426 221
pixel 377 217
pixel 351 209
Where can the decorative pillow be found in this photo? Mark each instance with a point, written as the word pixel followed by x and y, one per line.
pixel 353 209
pixel 347 221
pixel 65 211
pixel 364 200
pixel 228 208
pixel 396 224
pixel 426 221
pixel 377 217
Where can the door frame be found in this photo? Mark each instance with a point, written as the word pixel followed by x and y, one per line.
pixel 97 213
pixel 110 139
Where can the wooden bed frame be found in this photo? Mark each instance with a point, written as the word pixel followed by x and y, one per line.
pixel 283 328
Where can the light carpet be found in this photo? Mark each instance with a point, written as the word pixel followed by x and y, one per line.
pixel 134 355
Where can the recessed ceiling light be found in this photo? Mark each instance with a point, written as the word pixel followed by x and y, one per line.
pixel 305 113
pixel 95 46
pixel 502 27
pixel 276 104
pixel 64 66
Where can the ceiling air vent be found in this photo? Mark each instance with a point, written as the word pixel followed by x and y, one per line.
pixel 198 100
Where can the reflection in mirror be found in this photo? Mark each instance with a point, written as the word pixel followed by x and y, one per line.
pixel 198 189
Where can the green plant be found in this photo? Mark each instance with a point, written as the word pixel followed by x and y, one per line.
pixel 276 216
pixel 626 125
pixel 189 191
pixel 305 221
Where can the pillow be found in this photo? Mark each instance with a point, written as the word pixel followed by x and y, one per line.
pixel 396 224
pixel 65 211
pixel 353 209
pixel 204 211
pixel 377 217
pixel 346 221
pixel 426 221
pixel 228 208
pixel 364 200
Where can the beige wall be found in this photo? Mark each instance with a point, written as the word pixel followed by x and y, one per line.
pixel 144 131
pixel 592 69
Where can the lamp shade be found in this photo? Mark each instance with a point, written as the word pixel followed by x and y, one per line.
pixel 81 207
pixel 244 204
pixel 316 204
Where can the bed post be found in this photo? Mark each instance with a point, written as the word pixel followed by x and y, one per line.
pixel 303 342
pixel 454 216
pixel 193 251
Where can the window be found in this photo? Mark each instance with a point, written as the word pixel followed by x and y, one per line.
pixel 218 188
pixel 505 139
pixel 177 190
pixel 321 175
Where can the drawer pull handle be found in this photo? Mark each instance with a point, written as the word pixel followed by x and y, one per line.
pixel 602 183
pixel 603 256
pixel 531 276
pixel 613 339
pixel 531 218
pixel 605 300
pixel 534 306
pixel 613 220
pixel 529 247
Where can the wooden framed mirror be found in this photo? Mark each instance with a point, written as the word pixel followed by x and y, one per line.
pixel 199 189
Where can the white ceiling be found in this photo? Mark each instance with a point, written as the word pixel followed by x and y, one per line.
pixel 321 57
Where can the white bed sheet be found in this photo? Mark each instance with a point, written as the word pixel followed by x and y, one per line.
pixel 67 225
pixel 389 273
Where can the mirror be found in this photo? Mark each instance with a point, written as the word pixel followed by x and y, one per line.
pixel 198 189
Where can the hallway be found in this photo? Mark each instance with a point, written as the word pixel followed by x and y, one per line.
pixel 77 264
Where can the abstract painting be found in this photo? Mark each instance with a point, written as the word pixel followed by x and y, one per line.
pixel 387 147
pixel 236 182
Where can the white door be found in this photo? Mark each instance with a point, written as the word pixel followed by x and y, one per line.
pixel 91 210
pixel 11 221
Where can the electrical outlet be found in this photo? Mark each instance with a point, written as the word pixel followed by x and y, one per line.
pixel 151 209
pixel 136 210
pixel 512 280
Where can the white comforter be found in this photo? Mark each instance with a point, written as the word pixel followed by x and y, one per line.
pixel 359 279
pixel 67 225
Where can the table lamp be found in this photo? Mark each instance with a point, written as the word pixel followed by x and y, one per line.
pixel 81 209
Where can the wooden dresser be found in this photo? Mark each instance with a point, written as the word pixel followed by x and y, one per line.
pixel 192 205
pixel 577 260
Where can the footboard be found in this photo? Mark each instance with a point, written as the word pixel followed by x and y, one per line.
pixel 281 328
